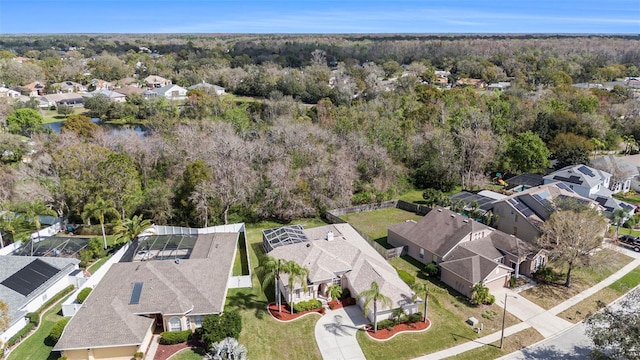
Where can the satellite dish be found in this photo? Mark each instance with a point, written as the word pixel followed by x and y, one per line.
pixel 177 261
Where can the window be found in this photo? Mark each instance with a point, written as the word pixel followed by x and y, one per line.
pixel 175 324
pixel 515 219
pixel 198 320
pixel 297 293
pixel 188 323
pixel 515 231
pixel 421 253
pixel 435 258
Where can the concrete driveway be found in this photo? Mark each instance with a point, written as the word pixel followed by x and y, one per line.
pixel 336 333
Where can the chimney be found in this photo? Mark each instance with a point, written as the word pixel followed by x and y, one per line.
pixel 330 236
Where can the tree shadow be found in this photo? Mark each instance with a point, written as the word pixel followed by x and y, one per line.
pixel 552 352
pixel 243 300
pixel 54 355
pixel 337 328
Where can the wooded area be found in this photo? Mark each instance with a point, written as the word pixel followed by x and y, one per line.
pixel 310 122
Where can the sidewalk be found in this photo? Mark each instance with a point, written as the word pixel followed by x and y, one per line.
pixel 545 322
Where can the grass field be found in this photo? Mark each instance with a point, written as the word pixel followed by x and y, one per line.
pixel 34 347
pixel 374 223
pixel 550 295
pixel 51 116
pixel 189 354
pixel 448 311
pixel 96 265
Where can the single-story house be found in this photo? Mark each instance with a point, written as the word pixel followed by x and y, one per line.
pixel 219 90
pixel 337 254
pixel 127 81
pixel 623 170
pixel 476 83
pixel 35 88
pixel 158 288
pixel 69 87
pixel 126 90
pixel 172 92
pixel 5 92
pixel 112 95
pixel 99 84
pixel 466 251
pixel 500 85
pixel 71 99
pixel 155 81
pixel 27 282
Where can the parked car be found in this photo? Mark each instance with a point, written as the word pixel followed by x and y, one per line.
pixel 631 241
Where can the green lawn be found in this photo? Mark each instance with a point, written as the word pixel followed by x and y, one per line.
pixel 448 311
pixel 240 264
pixel 51 116
pixel 374 223
pixel 189 354
pixel 264 337
pixel 96 265
pixel 550 295
pixel 415 195
pixel 34 347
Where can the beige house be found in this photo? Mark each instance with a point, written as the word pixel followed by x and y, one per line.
pixel 139 298
pixel 337 254
pixel 155 81
pixel 466 251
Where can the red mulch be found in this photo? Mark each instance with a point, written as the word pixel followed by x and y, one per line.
pixel 384 334
pixel 165 351
pixel 340 303
pixel 286 315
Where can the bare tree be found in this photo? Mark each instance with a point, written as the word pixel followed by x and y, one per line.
pixel 571 235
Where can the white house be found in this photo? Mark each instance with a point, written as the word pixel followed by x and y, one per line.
pixel 26 283
pixel 219 90
pixel 172 92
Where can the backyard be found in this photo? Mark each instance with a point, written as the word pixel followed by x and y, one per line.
pixel 374 223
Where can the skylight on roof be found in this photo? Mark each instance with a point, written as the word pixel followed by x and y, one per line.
pixel 135 293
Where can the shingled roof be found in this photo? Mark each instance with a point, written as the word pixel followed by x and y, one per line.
pixel 439 231
pixel 195 286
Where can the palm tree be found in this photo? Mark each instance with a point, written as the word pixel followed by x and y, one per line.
pixel 100 208
pixel 423 290
pixel 296 273
pixel 618 218
pixel 269 271
pixel 374 295
pixel 129 229
pixel 228 348
pixel 31 213
pixel 334 291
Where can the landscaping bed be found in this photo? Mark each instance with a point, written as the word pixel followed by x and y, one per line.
pixel 166 351
pixel 340 303
pixel 386 334
pixel 286 315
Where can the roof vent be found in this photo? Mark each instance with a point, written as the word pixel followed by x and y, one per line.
pixel 177 261
pixel 330 236
pixel 439 210
pixel 308 245
pixel 453 215
pixel 465 220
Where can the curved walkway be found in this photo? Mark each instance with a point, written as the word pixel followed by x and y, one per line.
pixel 336 333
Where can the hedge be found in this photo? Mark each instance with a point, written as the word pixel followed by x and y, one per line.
pixel 308 305
pixel 82 295
pixel 55 298
pixel 20 334
pixel 174 337
pixel 56 332
pixel 407 277
pixel 34 318
pixel 408 319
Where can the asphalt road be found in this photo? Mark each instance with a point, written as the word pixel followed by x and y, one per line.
pixel 571 344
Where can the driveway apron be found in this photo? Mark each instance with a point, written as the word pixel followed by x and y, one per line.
pixel 336 333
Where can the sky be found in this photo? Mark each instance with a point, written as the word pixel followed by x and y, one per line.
pixel 312 16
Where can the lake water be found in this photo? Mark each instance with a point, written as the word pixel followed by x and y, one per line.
pixel 56 126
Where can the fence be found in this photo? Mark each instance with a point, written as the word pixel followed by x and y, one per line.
pixel 333 216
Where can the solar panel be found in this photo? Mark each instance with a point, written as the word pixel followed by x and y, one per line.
pixel 537 197
pixel 135 293
pixel 513 202
pixel 563 186
pixel 527 212
pixel 30 277
pixel 585 170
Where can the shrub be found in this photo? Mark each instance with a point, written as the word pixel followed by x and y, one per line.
pixel 547 275
pixel 308 305
pixel 34 318
pixel 386 324
pixel 346 293
pixel 82 295
pixel 174 337
pixel 56 332
pixel 481 295
pixel 407 277
pixel 20 334
pixel 138 355
pixel 217 327
pixel 431 269
pixel 414 318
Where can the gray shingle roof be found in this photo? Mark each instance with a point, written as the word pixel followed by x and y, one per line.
pixel 195 286
pixel 9 265
pixel 439 231
pixel 580 175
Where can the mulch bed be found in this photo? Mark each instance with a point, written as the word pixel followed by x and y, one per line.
pixel 165 351
pixel 340 303
pixel 286 315
pixel 384 334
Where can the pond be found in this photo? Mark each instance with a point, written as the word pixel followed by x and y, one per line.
pixel 140 129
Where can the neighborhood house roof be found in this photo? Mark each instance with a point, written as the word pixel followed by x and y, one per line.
pixel 285 235
pixel 23 279
pixel 625 164
pixel 530 180
pixel 580 175
pixel 114 313
pixel 484 202
pixel 344 252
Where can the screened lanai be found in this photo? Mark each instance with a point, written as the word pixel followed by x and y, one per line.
pixel 53 246
pixel 164 247
pixel 273 238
